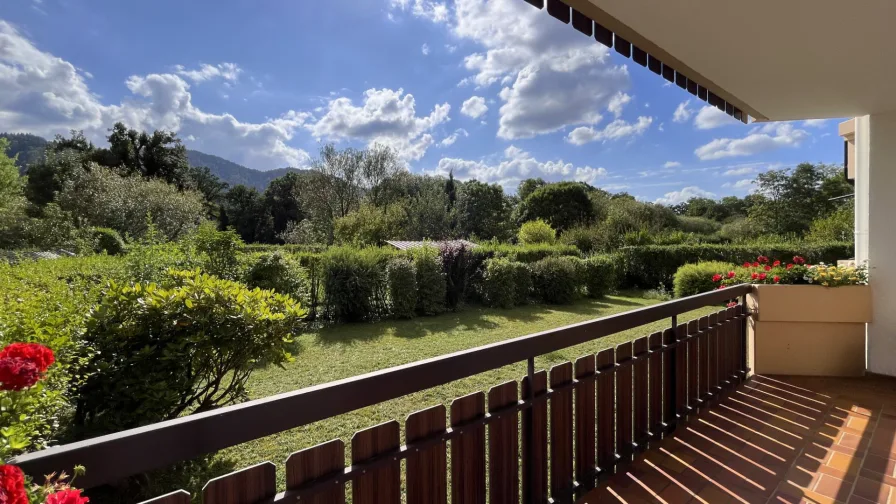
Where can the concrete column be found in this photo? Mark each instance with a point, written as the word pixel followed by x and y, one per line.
pixel 876 232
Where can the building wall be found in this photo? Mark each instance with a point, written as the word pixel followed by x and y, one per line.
pixel 876 232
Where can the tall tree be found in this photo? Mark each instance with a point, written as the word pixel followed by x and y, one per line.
pixel 529 186
pixel 10 181
pixel 562 205
pixel 247 214
pixel 483 211
pixel 157 155
pixel 282 200
pixel 792 199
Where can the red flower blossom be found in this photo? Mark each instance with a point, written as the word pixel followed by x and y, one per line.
pixel 754 276
pixel 747 264
pixel 70 496
pixel 12 485
pixel 732 304
pixel 716 278
pixel 762 259
pixel 776 279
pixel 722 286
pixel 39 354
pixel 799 260
pixel 755 264
pixel 790 266
pixel 776 263
pixel 17 374
pixel 768 268
pixel 762 276
pixel 731 274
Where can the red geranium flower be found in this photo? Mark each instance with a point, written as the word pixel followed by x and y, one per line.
pixel 762 276
pixel 799 260
pixel 12 485
pixel 39 354
pixel 732 304
pixel 716 277
pixel 722 286
pixel 776 279
pixel 790 266
pixel 776 263
pixel 768 268
pixel 754 276
pixel 762 259
pixel 18 374
pixel 70 496
pixel 755 264
pixel 747 264
pixel 730 274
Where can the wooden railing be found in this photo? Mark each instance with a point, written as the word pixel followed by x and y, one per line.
pixel 603 409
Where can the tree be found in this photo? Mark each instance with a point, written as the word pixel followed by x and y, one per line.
pixel 451 190
pixel 247 214
pixel 427 209
pixel 46 177
pixel 792 199
pixel 282 200
pixel 10 181
pixel 371 226
pixel 333 187
pixel 529 186
pixel 562 205
pixel 482 211
pixel 159 155
pixel 202 180
pixel 380 166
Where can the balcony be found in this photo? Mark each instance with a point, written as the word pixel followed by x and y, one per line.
pixel 674 416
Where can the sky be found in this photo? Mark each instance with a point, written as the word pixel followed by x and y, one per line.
pixel 495 90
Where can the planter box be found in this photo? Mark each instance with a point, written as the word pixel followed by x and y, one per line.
pixel 809 330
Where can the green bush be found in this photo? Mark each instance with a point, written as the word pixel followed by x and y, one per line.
pixel 186 346
pixel 500 283
pixel 586 238
pixel 536 231
pixel 402 279
pixel 430 280
pixel 556 280
pixel 839 225
pixel 740 230
pixel 278 272
pixel 599 275
pixel 354 283
pixel 218 251
pixel 652 265
pixel 457 262
pixel 522 282
pixel 107 241
pixel 692 279
pixel 699 225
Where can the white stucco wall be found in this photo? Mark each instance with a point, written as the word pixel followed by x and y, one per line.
pixel 876 231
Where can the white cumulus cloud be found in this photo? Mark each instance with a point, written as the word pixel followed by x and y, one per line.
pixel 671 164
pixel 425 49
pixel 614 131
pixel 710 117
pixel 450 139
pixel 761 139
pixel 676 197
pixel 682 112
pixel 437 12
pixel 226 71
pixel 474 107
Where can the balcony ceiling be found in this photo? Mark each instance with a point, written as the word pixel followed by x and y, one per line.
pixel 794 59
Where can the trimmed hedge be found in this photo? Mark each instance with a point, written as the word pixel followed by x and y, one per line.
pixel 430 280
pixel 354 283
pixel 401 276
pixel 107 240
pixel 599 274
pixel 649 266
pixel 692 279
pixel 557 280
pixel 499 283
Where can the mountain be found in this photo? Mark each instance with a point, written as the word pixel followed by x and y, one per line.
pixel 233 173
pixel 28 147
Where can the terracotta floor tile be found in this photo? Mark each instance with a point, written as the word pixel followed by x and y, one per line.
pixel 878 464
pixel 832 487
pixel 875 491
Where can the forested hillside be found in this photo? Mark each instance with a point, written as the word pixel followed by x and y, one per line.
pixel 236 174
pixel 25 148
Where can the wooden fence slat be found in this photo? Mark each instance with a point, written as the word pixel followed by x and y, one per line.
pixel 724 379
pixel 176 497
pixel 640 398
pixel 741 344
pixel 535 443
pixel 703 366
pixel 693 364
pixel 734 338
pixel 503 447
pixel 712 342
pixel 382 485
pixel 668 381
pixel 655 376
pixel 427 470
pixel 586 415
pixel 561 433
pixel 681 370
pixel 246 486
pixel 468 451
pixel 606 401
pixel 624 403
pixel 317 462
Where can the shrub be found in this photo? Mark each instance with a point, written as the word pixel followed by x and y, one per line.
pixel 456 260
pixel 599 275
pixel 186 346
pixel 278 272
pixel 218 251
pixel 586 238
pixel 107 241
pixel 556 280
pixel 839 225
pixel 536 231
pixel 354 283
pixel 740 230
pixel 370 226
pixel 692 279
pixel 430 280
pixel 522 282
pixel 402 279
pixel 499 283
pixel 699 225
pixel 562 204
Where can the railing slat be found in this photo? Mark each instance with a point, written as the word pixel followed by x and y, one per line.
pixel 535 443
pixel 427 471
pixel 624 403
pixel 561 433
pixel 247 486
pixel 712 342
pixel 681 371
pixel 668 381
pixel 655 376
pixel 733 341
pixel 503 447
pixel 586 415
pixel 468 452
pixel 383 485
pixel 724 350
pixel 176 497
pixel 693 365
pixel 703 366
pixel 606 401
pixel 640 397
pixel 317 462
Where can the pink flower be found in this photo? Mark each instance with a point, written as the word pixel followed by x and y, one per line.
pixel 790 266
pixel 754 276
pixel 747 264
pixel 716 278
pixel 776 263
pixel 799 260
pixel 768 268
pixel 732 304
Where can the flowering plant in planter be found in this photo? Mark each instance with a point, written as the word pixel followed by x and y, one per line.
pixel 836 276
pixel 766 271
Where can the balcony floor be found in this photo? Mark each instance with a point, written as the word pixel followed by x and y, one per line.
pixel 777 439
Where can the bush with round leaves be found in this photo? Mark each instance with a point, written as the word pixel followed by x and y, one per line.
pixel 278 272
pixel 536 231
pixel 107 240
pixel 401 275
pixel 556 280
pixel 186 346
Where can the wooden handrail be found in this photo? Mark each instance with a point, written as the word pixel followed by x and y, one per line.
pixel 114 456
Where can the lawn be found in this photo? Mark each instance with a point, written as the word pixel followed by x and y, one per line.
pixel 343 351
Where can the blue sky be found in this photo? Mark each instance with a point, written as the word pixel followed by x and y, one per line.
pixel 489 89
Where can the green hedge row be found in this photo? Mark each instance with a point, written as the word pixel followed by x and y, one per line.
pixel 649 266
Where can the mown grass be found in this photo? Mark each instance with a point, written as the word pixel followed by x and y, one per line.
pixel 343 351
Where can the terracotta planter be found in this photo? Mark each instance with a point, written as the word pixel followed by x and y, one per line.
pixel 809 330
